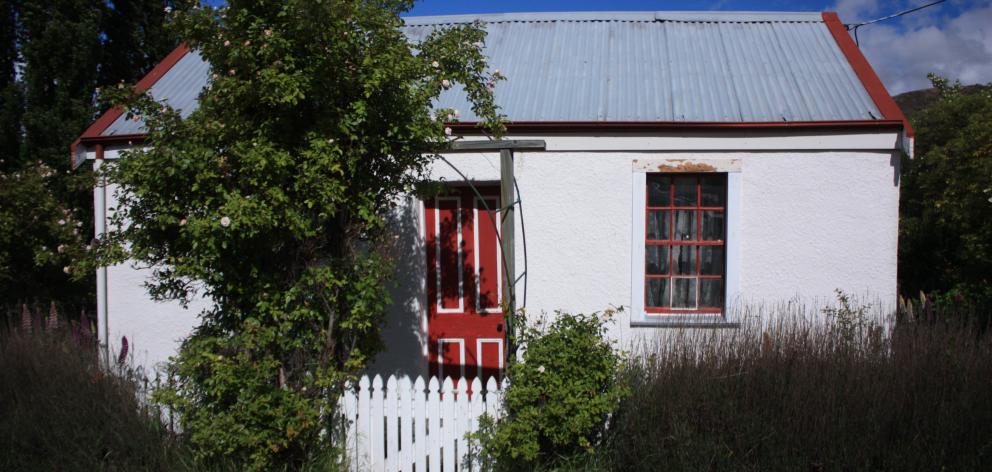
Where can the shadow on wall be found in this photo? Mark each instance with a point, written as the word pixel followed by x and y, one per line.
pixel 402 335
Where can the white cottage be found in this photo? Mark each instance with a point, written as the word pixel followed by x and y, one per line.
pixel 692 163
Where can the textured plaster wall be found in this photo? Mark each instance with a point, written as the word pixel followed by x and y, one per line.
pixel 811 221
pixel 154 330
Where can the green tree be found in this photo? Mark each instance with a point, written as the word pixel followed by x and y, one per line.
pixel 946 200
pixel 52 57
pixel 11 101
pixel 271 199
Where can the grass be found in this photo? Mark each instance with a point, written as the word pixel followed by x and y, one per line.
pixel 61 410
pixel 801 395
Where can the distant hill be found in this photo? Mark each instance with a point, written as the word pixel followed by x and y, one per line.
pixel 912 102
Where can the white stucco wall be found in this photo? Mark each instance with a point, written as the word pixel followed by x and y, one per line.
pixel 817 212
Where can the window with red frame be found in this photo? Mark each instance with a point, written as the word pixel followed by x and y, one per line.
pixel 685 243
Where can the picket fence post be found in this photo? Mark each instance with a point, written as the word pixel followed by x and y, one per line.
pixel 404 425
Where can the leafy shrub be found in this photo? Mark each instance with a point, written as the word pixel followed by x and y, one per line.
pixel 273 205
pixel 562 392
pixel 803 395
pixel 945 224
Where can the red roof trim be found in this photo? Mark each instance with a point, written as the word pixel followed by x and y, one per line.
pixel 886 105
pixel 471 127
pixel 94 132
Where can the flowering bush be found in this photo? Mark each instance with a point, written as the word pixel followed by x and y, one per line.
pixel 271 197
pixel 563 389
pixel 42 240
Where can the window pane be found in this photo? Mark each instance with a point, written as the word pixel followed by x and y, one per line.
pixel 685 225
pixel 684 260
pixel 711 260
pixel 713 190
pixel 684 295
pixel 657 260
pixel 659 190
pixel 685 191
pixel 711 293
pixel 657 293
pixel 658 224
pixel 712 225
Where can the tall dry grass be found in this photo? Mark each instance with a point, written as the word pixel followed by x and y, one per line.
pixel 851 393
pixel 62 408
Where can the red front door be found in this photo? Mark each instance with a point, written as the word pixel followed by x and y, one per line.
pixel 464 273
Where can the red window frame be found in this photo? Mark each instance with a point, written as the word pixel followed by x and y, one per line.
pixel 696 244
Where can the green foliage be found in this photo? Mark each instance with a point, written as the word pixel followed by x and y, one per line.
pixel 850 322
pixel 561 395
pixel 946 198
pixel 270 199
pixel 62 50
pixel 38 232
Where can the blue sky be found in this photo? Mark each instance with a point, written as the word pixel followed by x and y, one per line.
pixel 953 39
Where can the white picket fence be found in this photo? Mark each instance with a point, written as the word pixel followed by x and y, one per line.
pixel 415 425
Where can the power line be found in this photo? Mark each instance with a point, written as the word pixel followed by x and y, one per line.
pixel 855 26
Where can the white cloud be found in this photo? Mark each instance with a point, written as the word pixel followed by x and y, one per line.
pixel 961 49
pixel 955 47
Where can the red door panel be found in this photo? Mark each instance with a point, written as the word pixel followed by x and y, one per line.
pixel 464 284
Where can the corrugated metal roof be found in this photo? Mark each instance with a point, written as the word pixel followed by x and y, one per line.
pixel 179 87
pixel 637 66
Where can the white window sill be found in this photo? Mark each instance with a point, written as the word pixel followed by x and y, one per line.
pixel 682 321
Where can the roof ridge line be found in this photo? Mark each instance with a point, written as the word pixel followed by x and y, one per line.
pixel 631 16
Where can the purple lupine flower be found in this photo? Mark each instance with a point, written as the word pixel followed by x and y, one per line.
pixel 53 318
pixel 25 319
pixel 123 355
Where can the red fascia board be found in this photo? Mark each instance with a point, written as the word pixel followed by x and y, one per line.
pixel 869 79
pixel 93 133
pixel 471 127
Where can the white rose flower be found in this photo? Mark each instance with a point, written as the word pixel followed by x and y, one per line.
pixel 447 130
pixel 446 83
pixel 61 222
pixel 61 248
pixel 540 369
pixel 182 222
pixel 227 43
pixel 225 221
pixel 66 269
pixel 435 64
